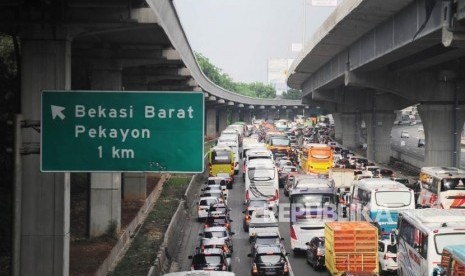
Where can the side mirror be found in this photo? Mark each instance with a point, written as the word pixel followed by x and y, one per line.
pixel 282 239
pixel 232 233
pixel 243 212
pixel 249 255
pixel 307 243
pixel 190 257
pixel 287 254
pixel 231 220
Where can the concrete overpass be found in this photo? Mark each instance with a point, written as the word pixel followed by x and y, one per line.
pixel 115 45
pixel 371 57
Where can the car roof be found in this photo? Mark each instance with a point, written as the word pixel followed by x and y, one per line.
pixel 215 229
pixel 268 248
pixel 267 234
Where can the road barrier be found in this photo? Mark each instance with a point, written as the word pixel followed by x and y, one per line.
pixel 124 240
pixel 174 233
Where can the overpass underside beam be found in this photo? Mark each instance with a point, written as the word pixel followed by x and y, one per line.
pixel 442 124
pixel 379 126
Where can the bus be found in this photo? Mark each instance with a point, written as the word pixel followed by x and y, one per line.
pixel 442 187
pixel 422 236
pixel 309 210
pixel 316 158
pixel 221 161
pixel 452 261
pixel 379 201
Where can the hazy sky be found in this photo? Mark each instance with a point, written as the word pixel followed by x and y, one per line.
pixel 239 36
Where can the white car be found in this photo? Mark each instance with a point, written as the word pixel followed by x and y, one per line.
pixel 204 205
pixel 387 253
pixel 262 220
pixel 404 134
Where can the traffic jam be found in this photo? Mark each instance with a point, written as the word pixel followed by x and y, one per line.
pixel 345 214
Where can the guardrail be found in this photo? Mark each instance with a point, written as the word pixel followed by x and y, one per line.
pixel 412 158
pixel 132 227
pixel 174 233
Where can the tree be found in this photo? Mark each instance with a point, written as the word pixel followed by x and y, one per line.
pixel 255 89
pixel 292 94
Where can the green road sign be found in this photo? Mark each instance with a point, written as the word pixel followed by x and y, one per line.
pixel 91 131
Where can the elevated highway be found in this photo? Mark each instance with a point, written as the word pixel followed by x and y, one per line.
pixel 115 45
pixel 371 57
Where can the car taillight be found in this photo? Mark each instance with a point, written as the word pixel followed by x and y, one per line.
pixel 293 235
pixel 225 248
pixel 226 225
pixel 247 217
pixel 254 268
pixel 286 267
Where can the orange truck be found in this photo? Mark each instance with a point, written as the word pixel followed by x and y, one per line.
pixel 351 247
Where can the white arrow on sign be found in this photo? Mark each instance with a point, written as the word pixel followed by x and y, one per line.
pixel 57 111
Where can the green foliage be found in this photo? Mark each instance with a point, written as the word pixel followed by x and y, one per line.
pixel 255 89
pixel 292 94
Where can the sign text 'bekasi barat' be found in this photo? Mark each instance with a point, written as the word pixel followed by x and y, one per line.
pixel 122 131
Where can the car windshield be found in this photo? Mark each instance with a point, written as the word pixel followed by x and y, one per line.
pixel 289 169
pixel 443 240
pixel 261 174
pixel 452 184
pixel 271 240
pixel 207 259
pixel 393 198
pixel 206 202
pixel 280 142
pixel 391 248
pixel 221 157
pixel 211 220
pixel 215 234
pixel 270 258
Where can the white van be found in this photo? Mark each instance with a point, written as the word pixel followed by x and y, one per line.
pixel 262 181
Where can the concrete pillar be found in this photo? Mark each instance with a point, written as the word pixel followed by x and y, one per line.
pixel 45 198
pixel 210 122
pixel 271 114
pixel 442 124
pixel 105 188
pixel 105 203
pixel 378 126
pixel 348 122
pixel 222 119
pixel 337 127
pixel 247 116
pixel 134 186
pixel 236 115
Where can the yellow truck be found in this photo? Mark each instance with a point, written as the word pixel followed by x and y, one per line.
pixel 351 248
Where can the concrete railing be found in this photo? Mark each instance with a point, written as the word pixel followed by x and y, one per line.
pixel 414 159
pixel 124 240
pixel 174 233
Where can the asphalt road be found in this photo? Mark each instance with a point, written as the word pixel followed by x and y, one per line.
pixel 240 262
